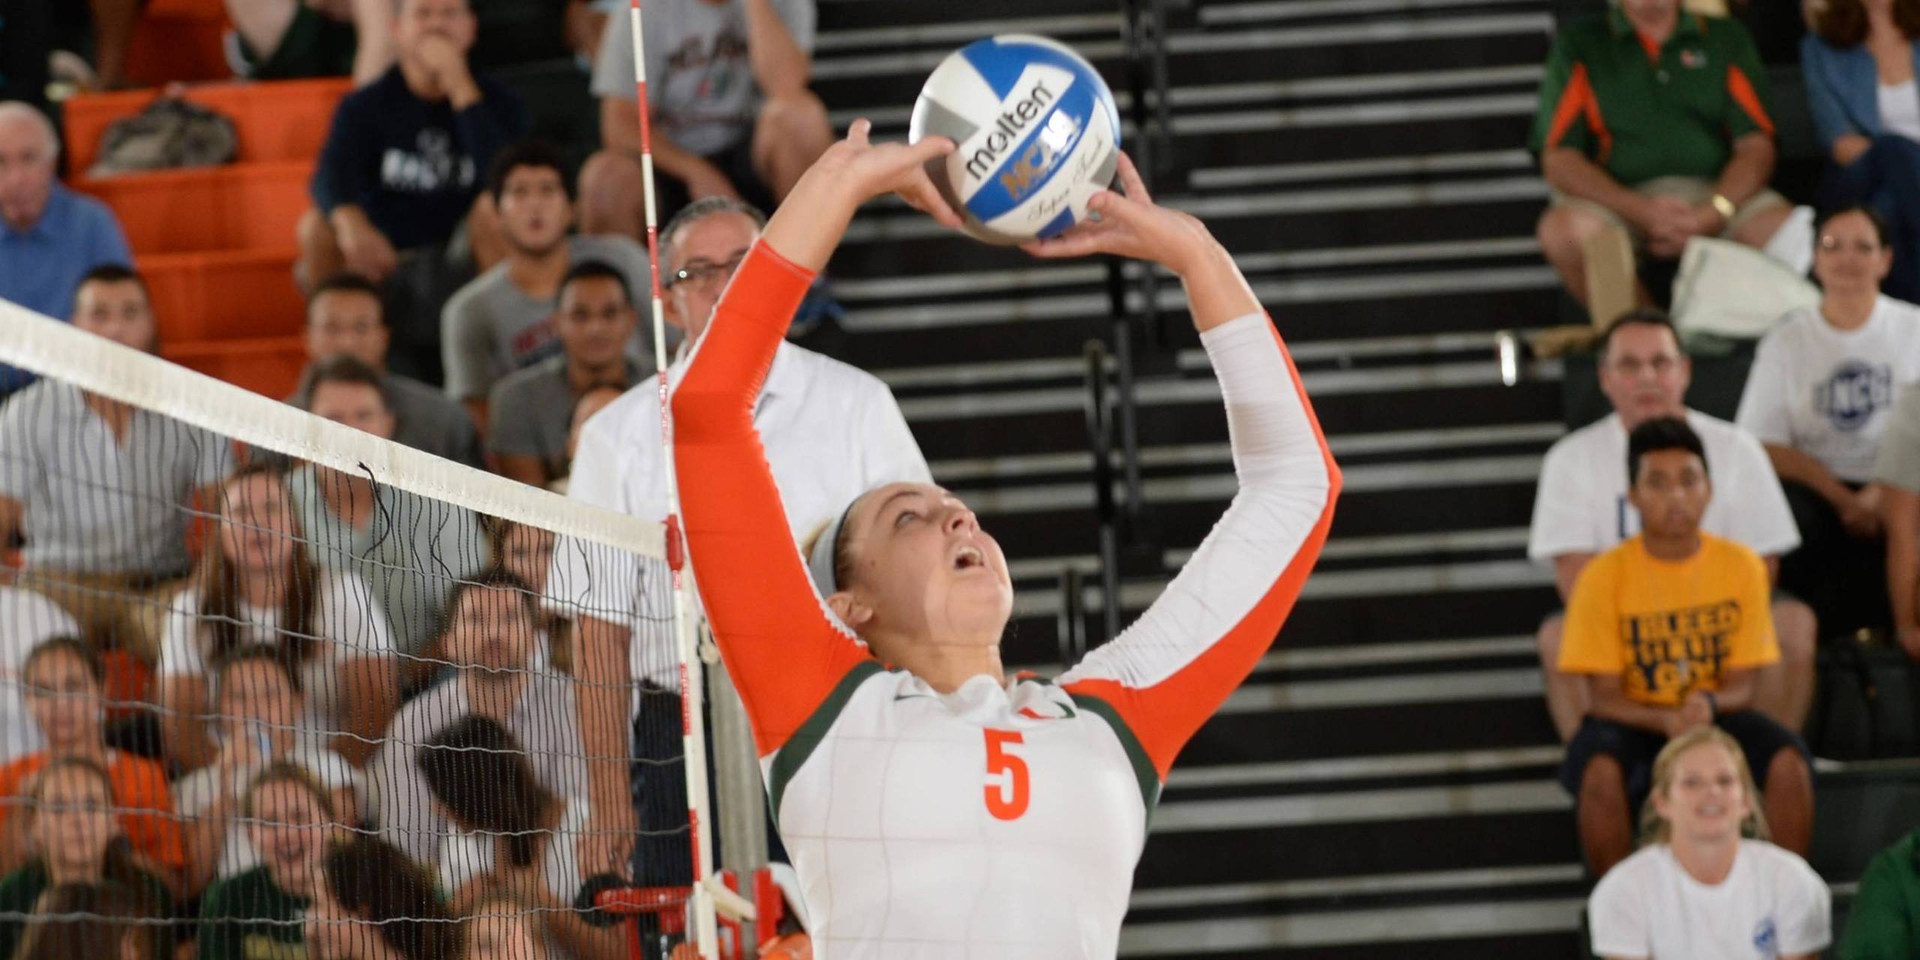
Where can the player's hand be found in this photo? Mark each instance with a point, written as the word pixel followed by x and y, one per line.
pixel 1132 225
pixel 705 180
pixel 861 170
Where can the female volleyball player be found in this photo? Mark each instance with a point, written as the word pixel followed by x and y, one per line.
pixel 933 806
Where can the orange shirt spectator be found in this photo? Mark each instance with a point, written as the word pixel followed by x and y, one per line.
pixel 139 790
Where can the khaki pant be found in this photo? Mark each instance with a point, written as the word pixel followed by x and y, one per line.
pixel 115 611
pixel 1609 254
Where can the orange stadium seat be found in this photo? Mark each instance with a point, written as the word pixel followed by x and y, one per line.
pixel 223 294
pixel 269 365
pixel 249 206
pixel 282 120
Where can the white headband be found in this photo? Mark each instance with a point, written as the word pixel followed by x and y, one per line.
pixel 820 561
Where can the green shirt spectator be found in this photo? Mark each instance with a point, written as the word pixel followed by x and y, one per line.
pixel 1642 111
pixel 248 917
pixel 1885 922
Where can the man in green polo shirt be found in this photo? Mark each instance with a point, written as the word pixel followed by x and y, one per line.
pixel 1654 119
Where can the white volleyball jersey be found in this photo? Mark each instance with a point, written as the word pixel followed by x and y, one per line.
pixel 989 822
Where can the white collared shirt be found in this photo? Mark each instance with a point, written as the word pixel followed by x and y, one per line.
pixel 831 432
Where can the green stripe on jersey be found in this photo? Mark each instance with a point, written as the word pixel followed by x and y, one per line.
pixel 801 745
pixel 1143 770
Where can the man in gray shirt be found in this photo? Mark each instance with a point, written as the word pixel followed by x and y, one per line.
pixel 732 115
pixel 534 408
pixel 101 490
pixel 502 321
pixel 344 319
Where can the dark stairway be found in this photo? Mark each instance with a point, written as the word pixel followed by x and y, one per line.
pixel 1383 786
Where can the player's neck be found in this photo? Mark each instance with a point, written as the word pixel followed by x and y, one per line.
pixel 1706 859
pixel 946 666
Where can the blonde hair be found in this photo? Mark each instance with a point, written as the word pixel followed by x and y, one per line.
pixel 1654 828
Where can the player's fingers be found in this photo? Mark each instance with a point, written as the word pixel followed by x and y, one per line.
pixel 1118 208
pixel 857 133
pixel 929 148
pixel 921 195
pixel 1136 188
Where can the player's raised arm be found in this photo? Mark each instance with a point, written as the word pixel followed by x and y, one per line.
pixel 781 648
pixel 1166 674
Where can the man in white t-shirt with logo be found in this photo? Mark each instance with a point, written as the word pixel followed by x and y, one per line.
pixel 831 432
pixel 1581 509
pixel 1819 397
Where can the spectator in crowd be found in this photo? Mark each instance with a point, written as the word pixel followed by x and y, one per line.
pixel 732 115
pixel 595 324
pixel 94 920
pixel 1859 67
pixel 64 679
pixel 590 403
pixel 1582 509
pixel 498 927
pixel 257 584
pixel 30 620
pixel 831 432
pixel 504 320
pixel 101 490
pixel 256 913
pixel 1707 883
pixel 345 318
pixel 409 548
pixel 400 173
pixel 1884 921
pixel 525 552
pixel 1818 398
pixel 1653 119
pixel 511 834
pixel 294 39
pixel 492 631
pixel 259 714
pixel 374 904
pixel 49 236
pixel 1670 627
pixel 74 839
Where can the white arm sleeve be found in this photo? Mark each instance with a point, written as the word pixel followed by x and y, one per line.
pixel 1286 489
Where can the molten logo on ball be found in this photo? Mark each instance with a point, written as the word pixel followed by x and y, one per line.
pixel 1007 129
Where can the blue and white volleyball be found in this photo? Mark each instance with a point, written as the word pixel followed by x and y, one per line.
pixel 1037 130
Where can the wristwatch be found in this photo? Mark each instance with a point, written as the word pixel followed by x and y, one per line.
pixel 1725 207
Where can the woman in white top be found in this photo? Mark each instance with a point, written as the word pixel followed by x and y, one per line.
pixel 1707 885
pixel 256 585
pixel 511 834
pixel 1819 397
pixel 259 725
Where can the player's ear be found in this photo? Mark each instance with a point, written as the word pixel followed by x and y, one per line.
pixel 850 611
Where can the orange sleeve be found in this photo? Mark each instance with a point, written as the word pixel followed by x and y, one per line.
pixel 783 651
pixel 12 777
pixel 147 812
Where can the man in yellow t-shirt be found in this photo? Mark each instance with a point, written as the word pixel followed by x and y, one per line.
pixel 1669 627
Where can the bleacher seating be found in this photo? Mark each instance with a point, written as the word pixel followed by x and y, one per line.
pixel 217 244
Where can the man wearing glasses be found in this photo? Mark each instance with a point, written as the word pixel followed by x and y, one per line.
pixel 830 431
pixel 1580 510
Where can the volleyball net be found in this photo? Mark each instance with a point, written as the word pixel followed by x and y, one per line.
pixel 275 686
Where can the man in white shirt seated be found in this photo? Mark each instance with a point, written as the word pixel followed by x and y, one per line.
pixel 831 432
pixel 1581 510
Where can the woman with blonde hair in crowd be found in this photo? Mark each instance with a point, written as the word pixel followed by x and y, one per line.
pixel 290 820
pixel 257 584
pixel 1706 884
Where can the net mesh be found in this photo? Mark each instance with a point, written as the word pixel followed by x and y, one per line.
pixel 275 687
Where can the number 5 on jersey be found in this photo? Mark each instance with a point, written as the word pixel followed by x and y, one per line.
pixel 1006 797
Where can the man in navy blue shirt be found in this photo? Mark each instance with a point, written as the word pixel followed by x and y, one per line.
pixel 49 236
pixel 401 170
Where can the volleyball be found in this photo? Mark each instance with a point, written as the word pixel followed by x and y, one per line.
pixel 1037 133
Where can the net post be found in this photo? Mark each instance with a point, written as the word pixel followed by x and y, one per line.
pixel 736 774
pixel 693 733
